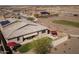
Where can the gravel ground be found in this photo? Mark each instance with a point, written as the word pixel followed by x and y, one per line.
pixel 72 45
pixel 68 29
pixel 69 47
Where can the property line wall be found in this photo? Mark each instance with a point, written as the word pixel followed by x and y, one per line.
pixel 59 41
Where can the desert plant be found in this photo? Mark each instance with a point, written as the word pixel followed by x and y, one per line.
pixel 36 15
pixel 30 18
pixel 42 45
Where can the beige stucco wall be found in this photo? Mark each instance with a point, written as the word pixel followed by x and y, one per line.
pixel 59 41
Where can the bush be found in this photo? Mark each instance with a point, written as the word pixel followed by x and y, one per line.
pixel 30 18
pixel 42 45
pixel 36 15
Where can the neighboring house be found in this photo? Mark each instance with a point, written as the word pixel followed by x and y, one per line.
pixel 19 31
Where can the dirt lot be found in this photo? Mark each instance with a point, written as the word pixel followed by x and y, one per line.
pixel 72 45
pixel 68 29
pixel 69 47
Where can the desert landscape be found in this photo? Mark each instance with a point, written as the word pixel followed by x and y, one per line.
pixel 64 19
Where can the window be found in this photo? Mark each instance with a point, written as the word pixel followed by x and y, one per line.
pixel 23 38
pixel 43 31
pixel 28 38
pixel 48 31
pixel 17 38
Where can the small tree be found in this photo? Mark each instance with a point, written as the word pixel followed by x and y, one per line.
pixel 36 15
pixel 30 18
pixel 42 45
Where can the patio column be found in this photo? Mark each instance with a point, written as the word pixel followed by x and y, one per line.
pixel 40 32
pixel 46 31
pixel 21 39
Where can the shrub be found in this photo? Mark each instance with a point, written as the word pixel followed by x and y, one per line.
pixel 30 18
pixel 42 45
pixel 36 15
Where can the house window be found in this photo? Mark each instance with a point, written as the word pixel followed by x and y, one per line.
pixel 17 38
pixel 0 41
pixel 28 38
pixel 48 31
pixel 23 38
pixel 43 31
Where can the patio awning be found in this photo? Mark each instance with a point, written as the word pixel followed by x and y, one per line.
pixel 11 44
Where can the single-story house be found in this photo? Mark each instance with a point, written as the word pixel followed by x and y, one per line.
pixel 19 30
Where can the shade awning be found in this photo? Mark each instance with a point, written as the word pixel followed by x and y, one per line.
pixel 11 44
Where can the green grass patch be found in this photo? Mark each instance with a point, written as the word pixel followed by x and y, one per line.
pixel 25 47
pixel 65 22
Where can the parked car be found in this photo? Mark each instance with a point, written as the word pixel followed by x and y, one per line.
pixel 44 12
pixel 54 33
pixel 75 14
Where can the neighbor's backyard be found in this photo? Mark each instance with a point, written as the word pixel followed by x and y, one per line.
pixel 66 22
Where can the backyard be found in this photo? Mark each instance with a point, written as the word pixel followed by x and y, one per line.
pixel 25 48
pixel 39 43
pixel 66 22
